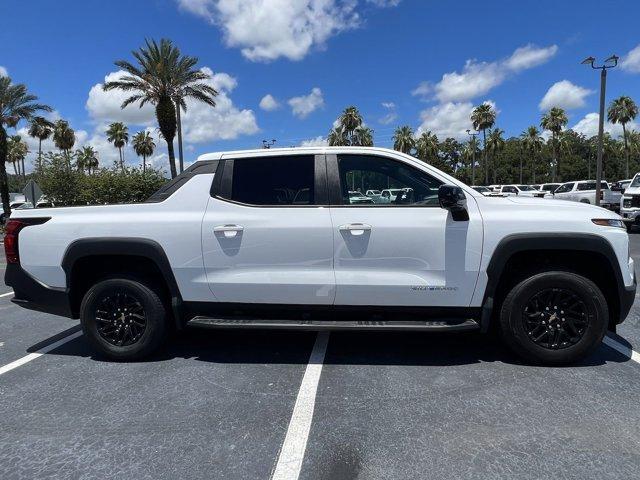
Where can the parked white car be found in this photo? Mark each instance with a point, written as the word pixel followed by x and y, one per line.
pixel 584 191
pixel 630 203
pixel 546 190
pixel 521 190
pixel 389 195
pixel 221 246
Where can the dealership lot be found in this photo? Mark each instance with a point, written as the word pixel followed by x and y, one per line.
pixel 223 404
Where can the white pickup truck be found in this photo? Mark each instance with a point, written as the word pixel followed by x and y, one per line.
pixel 584 191
pixel 221 246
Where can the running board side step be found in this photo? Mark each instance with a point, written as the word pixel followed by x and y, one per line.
pixel 441 325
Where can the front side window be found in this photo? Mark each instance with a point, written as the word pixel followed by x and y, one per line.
pixel 399 184
pixel 567 187
pixel 273 181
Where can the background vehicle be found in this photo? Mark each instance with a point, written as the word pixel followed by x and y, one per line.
pixel 389 194
pixel 584 191
pixel 546 190
pixel 358 198
pixel 523 190
pixel 221 246
pixel 481 189
pixel 630 203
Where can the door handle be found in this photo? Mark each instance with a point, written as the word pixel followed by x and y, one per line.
pixel 355 228
pixel 229 231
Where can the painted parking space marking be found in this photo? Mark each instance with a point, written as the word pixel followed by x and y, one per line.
pixel 32 356
pixel 623 349
pixel 295 442
pixel 6 294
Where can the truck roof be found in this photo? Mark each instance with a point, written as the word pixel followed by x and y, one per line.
pixel 295 150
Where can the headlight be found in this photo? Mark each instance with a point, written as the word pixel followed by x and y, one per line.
pixel 608 222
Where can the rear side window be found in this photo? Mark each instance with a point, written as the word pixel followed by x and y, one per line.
pixel 274 181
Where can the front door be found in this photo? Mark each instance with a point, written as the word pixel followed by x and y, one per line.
pixel 266 234
pixel 404 250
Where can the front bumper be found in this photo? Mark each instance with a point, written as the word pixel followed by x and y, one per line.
pixel 630 215
pixel 627 297
pixel 30 293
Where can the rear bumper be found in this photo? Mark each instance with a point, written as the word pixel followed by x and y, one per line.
pixel 30 293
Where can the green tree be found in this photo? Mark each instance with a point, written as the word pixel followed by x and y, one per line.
pixel 427 147
pixel 470 154
pixel 87 159
pixel 40 128
pixel 338 137
pixel 144 146
pixel 64 138
pixel 495 145
pixel 403 139
pixel 16 104
pixel 623 110
pixel 350 130
pixel 161 77
pixel 483 117
pixel 362 137
pixel 554 121
pixel 17 152
pixel 118 134
pixel 532 143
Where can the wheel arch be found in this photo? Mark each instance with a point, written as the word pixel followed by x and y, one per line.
pixel 589 255
pixel 127 256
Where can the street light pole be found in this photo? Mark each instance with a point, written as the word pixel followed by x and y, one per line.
pixel 473 161
pixel 610 62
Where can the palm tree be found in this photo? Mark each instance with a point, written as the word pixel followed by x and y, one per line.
pixel 495 144
pixel 403 139
pixel 469 153
pixel 554 121
pixel 64 138
pixel 118 134
pixel 15 104
pixel 162 77
pixel 16 153
pixel 362 137
pixel 40 128
pixel 427 146
pixel 338 137
pixel 483 117
pixel 533 143
pixel 87 159
pixel 144 146
pixel 623 110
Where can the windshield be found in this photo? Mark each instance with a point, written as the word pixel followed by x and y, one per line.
pixel 481 189
pixel 550 187
pixel 635 182
pixel 525 188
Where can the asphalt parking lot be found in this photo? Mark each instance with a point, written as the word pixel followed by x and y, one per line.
pixel 241 405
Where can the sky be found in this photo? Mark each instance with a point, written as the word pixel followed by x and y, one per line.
pixel 285 69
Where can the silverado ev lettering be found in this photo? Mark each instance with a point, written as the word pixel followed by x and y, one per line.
pixel 326 238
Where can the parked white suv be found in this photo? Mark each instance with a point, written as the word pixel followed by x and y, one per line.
pixel 221 246
pixel 546 190
pixel 630 203
pixel 584 191
pixel 522 190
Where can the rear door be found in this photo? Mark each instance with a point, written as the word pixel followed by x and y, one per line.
pixel 408 252
pixel 267 234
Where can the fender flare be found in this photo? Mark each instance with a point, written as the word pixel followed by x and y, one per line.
pixel 517 243
pixel 126 246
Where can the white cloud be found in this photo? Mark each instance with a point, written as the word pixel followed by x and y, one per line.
pixel 631 61
pixel 265 30
pixel 385 3
pixel 566 95
pixel 446 120
pixel 478 78
pixel 200 123
pixel 588 126
pixel 3 72
pixel 529 56
pixel 391 115
pixel 319 141
pixel 105 106
pixel 303 105
pixel 268 103
pixel 388 105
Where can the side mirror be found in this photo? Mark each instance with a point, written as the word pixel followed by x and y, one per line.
pixel 452 198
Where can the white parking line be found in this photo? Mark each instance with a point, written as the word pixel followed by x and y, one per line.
pixel 295 442
pixel 623 349
pixel 32 356
pixel 6 294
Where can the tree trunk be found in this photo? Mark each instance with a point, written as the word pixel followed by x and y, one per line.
pixel 39 153
pixel 179 121
pixel 144 164
pixel 166 115
pixel 626 149
pixel 521 168
pixel 484 154
pixel 554 170
pixel 4 183
pixel 24 175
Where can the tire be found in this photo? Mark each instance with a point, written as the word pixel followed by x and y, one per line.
pixel 526 304
pixel 110 317
pixel 629 227
pixel 584 200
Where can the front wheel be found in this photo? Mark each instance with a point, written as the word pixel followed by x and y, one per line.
pixel 123 319
pixel 554 318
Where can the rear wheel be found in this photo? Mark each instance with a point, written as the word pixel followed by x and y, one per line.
pixel 554 318
pixel 123 319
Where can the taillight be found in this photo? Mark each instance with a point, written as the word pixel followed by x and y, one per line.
pixel 12 230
